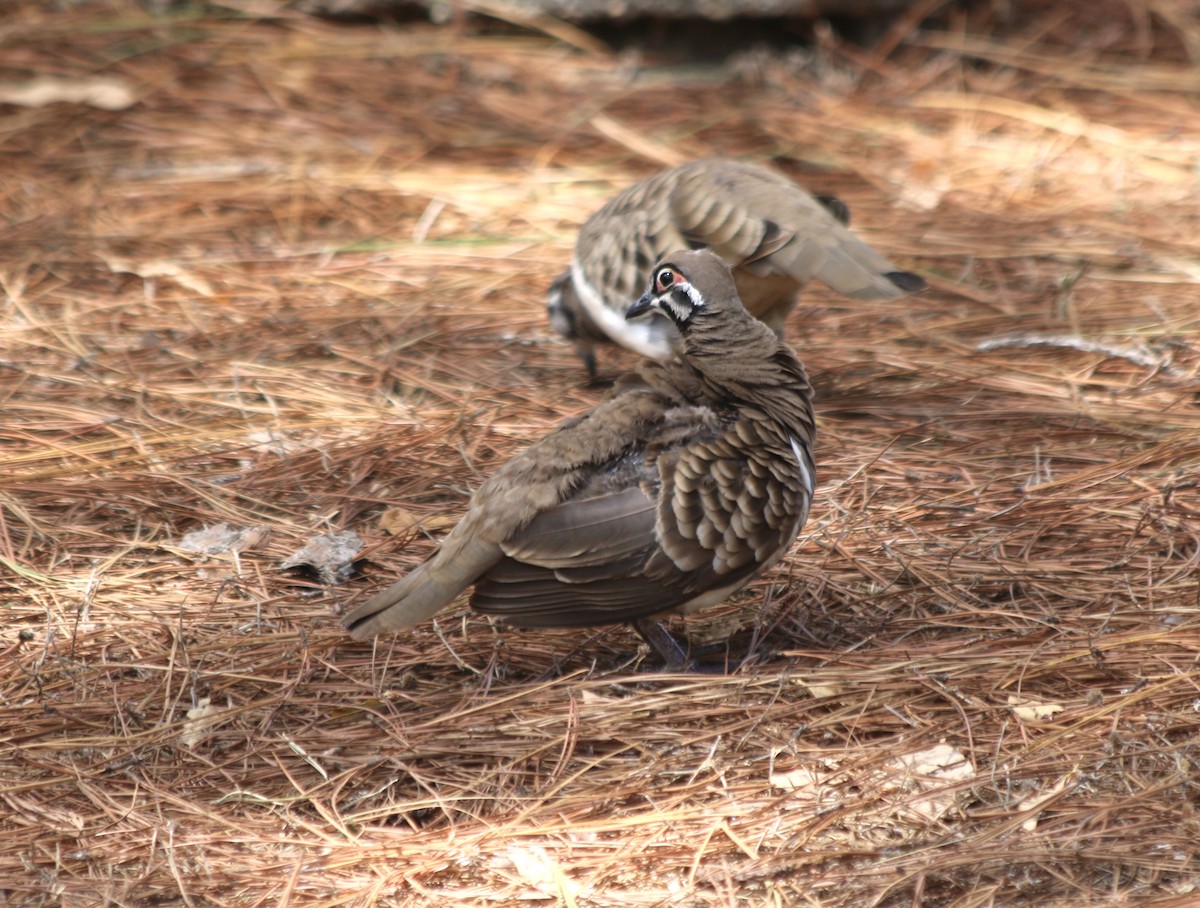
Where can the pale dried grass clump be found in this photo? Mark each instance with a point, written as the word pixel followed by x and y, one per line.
pixel 287 276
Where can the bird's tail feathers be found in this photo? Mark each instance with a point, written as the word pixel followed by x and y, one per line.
pixel 847 265
pixel 424 591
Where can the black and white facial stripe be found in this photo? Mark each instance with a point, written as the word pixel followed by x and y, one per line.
pixel 672 294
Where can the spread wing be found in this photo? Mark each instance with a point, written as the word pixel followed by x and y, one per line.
pixel 778 235
pixel 766 223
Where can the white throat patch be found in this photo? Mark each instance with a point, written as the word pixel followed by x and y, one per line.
pixel 693 295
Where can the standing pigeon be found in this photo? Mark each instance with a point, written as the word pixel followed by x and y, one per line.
pixel 692 478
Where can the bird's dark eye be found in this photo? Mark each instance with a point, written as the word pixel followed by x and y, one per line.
pixel 665 279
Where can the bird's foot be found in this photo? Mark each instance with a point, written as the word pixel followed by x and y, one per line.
pixel 675 656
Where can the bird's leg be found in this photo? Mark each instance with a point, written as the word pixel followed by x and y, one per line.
pixel 674 656
pixel 595 379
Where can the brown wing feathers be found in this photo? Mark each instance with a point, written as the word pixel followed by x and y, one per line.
pixel 586 533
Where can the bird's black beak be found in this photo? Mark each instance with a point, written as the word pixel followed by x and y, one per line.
pixel 644 304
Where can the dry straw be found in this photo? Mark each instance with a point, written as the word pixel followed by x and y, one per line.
pixel 287 276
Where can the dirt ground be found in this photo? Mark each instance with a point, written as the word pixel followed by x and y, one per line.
pixel 266 279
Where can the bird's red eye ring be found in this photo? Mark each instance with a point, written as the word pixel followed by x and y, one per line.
pixel 665 279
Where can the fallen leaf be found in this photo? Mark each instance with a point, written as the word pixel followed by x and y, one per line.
pixel 220 539
pixel 159 268
pixel 538 869
pixel 105 92
pixel 272 442
pixel 937 771
pixel 1034 801
pixel 399 520
pixel 332 556
pixel 200 719
pixel 1030 710
pixel 820 691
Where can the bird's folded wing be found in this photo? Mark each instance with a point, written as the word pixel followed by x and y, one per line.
pixel 578 564
pixel 586 533
pixel 721 518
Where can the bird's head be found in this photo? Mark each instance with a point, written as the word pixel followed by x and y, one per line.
pixel 687 288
